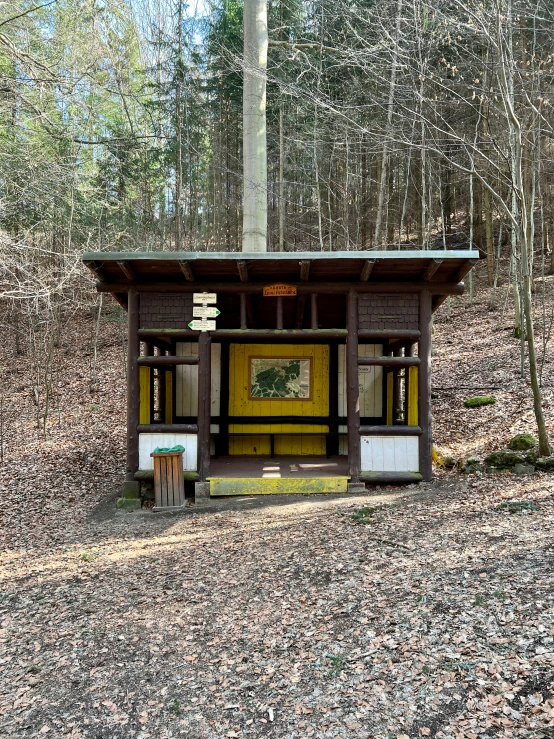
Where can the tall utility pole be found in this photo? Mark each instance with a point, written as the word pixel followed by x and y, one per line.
pixel 254 223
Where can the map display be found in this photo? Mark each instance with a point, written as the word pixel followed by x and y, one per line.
pixel 283 378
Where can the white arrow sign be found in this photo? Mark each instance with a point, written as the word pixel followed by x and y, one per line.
pixel 204 298
pixel 202 325
pixel 205 311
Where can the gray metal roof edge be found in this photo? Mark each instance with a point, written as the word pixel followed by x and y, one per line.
pixel 174 256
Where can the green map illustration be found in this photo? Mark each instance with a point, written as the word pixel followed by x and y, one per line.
pixel 280 378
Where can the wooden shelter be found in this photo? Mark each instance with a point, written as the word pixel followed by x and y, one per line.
pixel 315 376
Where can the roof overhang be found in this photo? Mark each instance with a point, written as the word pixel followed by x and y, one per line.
pixel 118 271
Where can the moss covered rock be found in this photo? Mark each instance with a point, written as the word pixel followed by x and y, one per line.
pixel 522 442
pixel 478 401
pixel 504 460
pixel 546 464
pixel 471 465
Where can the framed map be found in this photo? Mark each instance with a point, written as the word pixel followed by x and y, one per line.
pixel 286 378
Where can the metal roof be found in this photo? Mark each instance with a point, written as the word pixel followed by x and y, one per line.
pixel 138 267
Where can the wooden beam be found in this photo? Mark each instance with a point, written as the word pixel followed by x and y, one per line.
pixel 250 311
pixel 353 388
pixel 390 431
pixel 367 269
pixel 133 396
pixel 248 334
pixel 390 478
pixel 97 269
pixel 313 312
pixel 204 404
pixel 243 270
pixel 166 361
pixel 438 300
pixel 186 269
pixel 326 288
pixel 431 269
pixel 391 334
pixel 389 361
pixel 300 305
pixel 128 271
pixel 424 386
pixel 279 313
pixel 168 428
pixel 464 270
pixel 121 298
pixel 243 323
pixel 305 269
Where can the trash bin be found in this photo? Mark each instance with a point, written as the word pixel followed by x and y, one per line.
pixel 169 483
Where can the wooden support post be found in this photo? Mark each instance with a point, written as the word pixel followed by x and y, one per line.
pixel 279 313
pixel 424 386
pixel 133 393
pixel 353 389
pixel 409 353
pixel 243 323
pixel 300 303
pixel 313 306
pixel 204 403
pixel 396 408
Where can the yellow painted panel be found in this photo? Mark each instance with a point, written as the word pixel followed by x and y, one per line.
pixel 289 441
pixel 168 397
pixel 276 486
pixel 413 410
pixel 390 383
pixel 240 403
pixel 144 394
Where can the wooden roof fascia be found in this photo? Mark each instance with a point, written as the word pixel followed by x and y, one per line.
pixel 431 269
pixel 186 269
pixel 127 270
pixel 243 270
pixel 367 269
pixel 305 269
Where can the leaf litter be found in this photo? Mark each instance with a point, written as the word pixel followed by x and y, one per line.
pixel 285 621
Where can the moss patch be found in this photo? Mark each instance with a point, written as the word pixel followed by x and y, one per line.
pixel 503 460
pixel 478 401
pixel 522 442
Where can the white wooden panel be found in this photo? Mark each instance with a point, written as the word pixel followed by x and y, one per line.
pixel 370 381
pixel 148 442
pixel 186 398
pixel 390 453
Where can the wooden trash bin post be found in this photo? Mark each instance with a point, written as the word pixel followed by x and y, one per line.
pixel 169 483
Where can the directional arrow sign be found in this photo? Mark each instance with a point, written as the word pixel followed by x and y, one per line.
pixel 204 298
pixel 205 311
pixel 202 325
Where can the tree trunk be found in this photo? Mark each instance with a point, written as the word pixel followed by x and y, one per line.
pixel 254 224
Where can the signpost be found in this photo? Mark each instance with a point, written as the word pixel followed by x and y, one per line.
pixel 203 311
pixel 279 291
pixel 204 298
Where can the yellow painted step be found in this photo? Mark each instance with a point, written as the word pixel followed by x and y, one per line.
pixel 276 486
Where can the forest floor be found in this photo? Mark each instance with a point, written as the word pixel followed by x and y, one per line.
pixel 429 614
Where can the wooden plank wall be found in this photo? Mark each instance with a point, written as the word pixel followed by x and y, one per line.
pixel 186 380
pixel 148 442
pixel 390 453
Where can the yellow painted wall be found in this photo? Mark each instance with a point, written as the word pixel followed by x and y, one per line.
pixel 240 404
pixel 144 394
pixel 413 410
